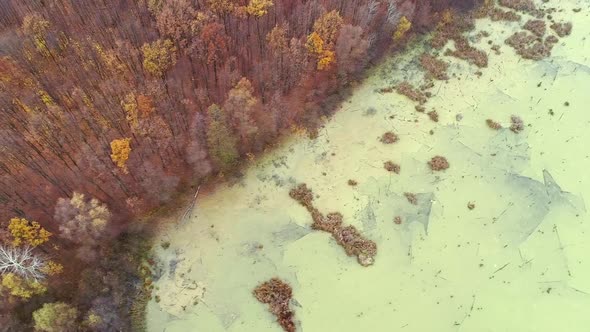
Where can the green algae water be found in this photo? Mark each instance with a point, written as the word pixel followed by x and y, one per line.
pixel 497 242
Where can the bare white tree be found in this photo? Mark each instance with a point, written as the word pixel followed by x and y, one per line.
pixel 22 261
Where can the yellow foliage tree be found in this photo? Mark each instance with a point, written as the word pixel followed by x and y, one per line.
pixel 56 317
pixel 25 232
pixel 93 320
pixel 221 7
pixel 120 150
pixel 258 8
pixel 158 56
pixel 21 287
pixel 277 39
pixel 328 26
pixel 52 268
pixel 315 43
pixel 403 27
pixel 326 59
pixel 45 98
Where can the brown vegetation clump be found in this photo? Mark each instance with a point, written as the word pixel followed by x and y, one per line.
pixel 389 138
pixel 537 27
pixel 277 294
pixel 303 195
pixel 397 220
pixel 347 237
pixel 433 115
pixel 520 5
pixel 497 14
pixel 517 124
pixel 471 205
pixel 317 217
pixel 463 50
pixel 392 167
pixel 562 29
pixel 352 183
pixel 438 163
pixel 530 46
pixel 435 67
pixel 329 223
pixel 451 28
pixel 420 109
pixel 412 198
pixel 551 40
pixel 493 124
pixel 355 244
pixel 406 89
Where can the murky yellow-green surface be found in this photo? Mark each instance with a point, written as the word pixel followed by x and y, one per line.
pixel 519 261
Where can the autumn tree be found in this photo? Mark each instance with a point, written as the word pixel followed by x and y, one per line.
pixel 82 221
pixel 215 42
pixel 158 56
pixel 258 8
pixel 220 140
pixel 120 150
pixel 315 45
pixel 178 20
pixel 18 287
pixel 403 26
pixel 56 317
pixel 277 40
pixel 328 27
pixel 351 50
pixel 221 7
pixel 27 233
pixel 240 105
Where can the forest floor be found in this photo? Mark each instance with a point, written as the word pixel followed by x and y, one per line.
pixel 496 242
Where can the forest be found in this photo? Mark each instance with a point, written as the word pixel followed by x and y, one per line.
pixel 110 108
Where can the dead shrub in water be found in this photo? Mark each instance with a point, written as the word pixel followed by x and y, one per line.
pixel 392 167
pixel 520 5
pixel 330 223
pixel 303 195
pixel 433 115
pixel 352 183
pixel 493 124
pixel 530 46
pixel 389 138
pixel 355 244
pixel 464 51
pixel 517 124
pixel 562 29
pixel 436 68
pixel 277 294
pixel 537 27
pixel 438 163
pixel 408 90
pixel 412 198
pixel 498 14
pixel 348 237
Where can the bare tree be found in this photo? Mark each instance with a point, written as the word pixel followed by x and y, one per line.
pixel 22 261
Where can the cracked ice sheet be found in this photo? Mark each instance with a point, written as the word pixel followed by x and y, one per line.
pixel 519 203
